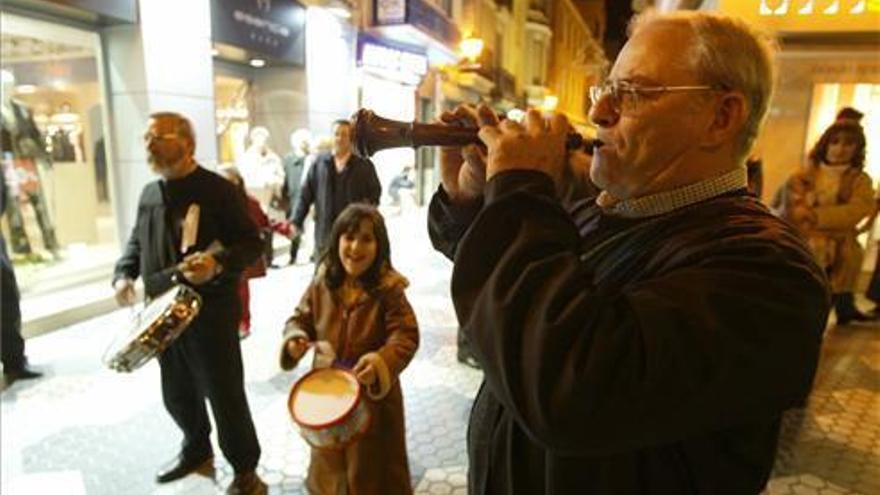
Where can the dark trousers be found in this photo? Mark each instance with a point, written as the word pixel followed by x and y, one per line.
pixel 205 363
pixel 873 292
pixel 294 247
pixel 268 250
pixel 844 305
pixel 12 345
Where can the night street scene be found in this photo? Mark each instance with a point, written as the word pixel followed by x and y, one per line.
pixel 445 247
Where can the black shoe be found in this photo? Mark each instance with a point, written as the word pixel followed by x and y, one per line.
pixel 184 466
pixel 23 373
pixel 859 316
pixel 246 484
pixel 856 316
pixel 468 360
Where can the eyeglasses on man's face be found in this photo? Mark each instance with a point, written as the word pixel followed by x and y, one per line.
pixel 152 136
pixel 626 97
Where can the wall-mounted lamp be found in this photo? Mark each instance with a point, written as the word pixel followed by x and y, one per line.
pixel 471 48
pixel 550 103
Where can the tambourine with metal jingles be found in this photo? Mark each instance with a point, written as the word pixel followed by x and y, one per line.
pixel 155 327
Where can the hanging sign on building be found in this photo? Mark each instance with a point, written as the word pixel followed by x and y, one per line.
pixel 421 14
pixel 272 28
pixel 385 57
pixel 390 12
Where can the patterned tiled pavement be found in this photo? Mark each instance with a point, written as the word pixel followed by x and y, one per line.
pixel 86 430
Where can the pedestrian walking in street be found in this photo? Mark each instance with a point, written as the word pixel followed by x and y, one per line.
pixel 179 216
pixel 15 363
pixel 648 341
pixel 295 164
pixel 334 181
pixel 827 200
pixel 356 315
pixel 256 269
pixel 401 181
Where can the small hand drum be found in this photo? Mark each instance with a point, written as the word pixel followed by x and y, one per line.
pixel 329 408
pixel 154 328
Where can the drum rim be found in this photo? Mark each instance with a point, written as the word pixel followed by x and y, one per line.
pixel 356 436
pixel 181 291
pixel 338 421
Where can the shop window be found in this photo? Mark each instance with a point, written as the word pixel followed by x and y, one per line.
pixel 233 117
pixel 59 220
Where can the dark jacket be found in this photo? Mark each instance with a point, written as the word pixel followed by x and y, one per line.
pixel 294 166
pixel 27 141
pixel 629 356
pixel 331 192
pixel 152 251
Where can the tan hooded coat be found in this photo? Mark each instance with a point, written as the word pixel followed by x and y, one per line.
pixel 833 237
pixel 382 326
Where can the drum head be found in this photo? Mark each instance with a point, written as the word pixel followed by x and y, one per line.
pixel 324 397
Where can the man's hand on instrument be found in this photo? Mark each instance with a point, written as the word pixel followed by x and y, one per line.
pixel 463 169
pixel 294 231
pixel 124 291
pixel 199 268
pixel 365 371
pixel 537 145
pixel 296 347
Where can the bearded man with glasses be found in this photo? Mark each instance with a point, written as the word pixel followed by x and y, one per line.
pixel 181 218
pixel 649 339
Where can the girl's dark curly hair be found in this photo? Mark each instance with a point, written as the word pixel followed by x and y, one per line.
pixel 348 222
pixel 819 152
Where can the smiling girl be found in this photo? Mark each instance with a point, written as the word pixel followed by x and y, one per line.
pixel 356 314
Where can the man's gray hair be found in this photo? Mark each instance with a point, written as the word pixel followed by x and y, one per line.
pixel 729 54
pixel 184 126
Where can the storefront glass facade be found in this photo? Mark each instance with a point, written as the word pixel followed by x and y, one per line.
pixel 59 221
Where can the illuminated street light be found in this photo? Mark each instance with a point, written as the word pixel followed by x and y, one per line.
pixel 471 48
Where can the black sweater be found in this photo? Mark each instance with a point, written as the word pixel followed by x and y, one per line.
pixel 153 249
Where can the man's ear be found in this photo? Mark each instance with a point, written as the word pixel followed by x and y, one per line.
pixel 731 113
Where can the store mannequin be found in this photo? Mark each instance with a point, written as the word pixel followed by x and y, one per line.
pixel 65 133
pixel 24 160
pixel 260 167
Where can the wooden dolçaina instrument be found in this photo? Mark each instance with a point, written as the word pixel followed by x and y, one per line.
pixel 372 133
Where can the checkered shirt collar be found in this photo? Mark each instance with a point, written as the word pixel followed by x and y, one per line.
pixel 664 202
